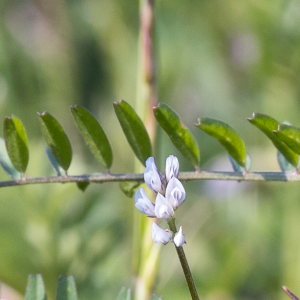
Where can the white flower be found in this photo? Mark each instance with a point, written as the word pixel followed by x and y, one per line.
pixel 172 167
pixel 152 177
pixel 143 204
pixel 160 235
pixel 163 208
pixel 175 193
pixel 179 239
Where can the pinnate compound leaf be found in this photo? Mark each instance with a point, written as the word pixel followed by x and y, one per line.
pixel 227 136
pixel 290 135
pixel 6 162
pixel 56 139
pixel 93 135
pixel 35 289
pixel 125 294
pixel 179 134
pixel 66 288
pixel 134 130
pixel 16 142
pixel 267 125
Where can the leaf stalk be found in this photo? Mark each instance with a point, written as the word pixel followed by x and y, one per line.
pixel 184 176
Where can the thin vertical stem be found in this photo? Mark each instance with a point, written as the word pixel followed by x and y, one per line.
pixel 146 87
pixel 145 253
pixel 187 273
pixel 184 264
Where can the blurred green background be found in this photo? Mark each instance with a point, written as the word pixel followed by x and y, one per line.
pixel 223 59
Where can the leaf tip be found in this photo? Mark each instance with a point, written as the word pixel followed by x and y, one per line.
pixel 199 122
pixel 278 128
pixel 41 114
pixel 13 116
pixel 72 107
pixel 115 103
pixel 253 117
pixel 158 105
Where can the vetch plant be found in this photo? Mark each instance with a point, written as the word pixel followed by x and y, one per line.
pixel 170 193
pixel 139 126
pixel 164 208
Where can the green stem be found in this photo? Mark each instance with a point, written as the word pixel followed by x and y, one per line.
pixel 184 264
pixel 145 253
pixel 187 273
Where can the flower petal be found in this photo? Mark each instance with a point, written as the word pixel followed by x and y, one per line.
pixel 163 208
pixel 179 239
pixel 143 203
pixel 160 235
pixel 175 192
pixel 152 177
pixel 172 167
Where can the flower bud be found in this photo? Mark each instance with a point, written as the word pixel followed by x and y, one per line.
pixel 163 208
pixel 152 177
pixel 143 203
pixel 172 167
pixel 179 239
pixel 175 193
pixel 160 235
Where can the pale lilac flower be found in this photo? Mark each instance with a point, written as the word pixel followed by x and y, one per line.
pixel 163 208
pixel 143 203
pixel 175 193
pixel 172 167
pixel 152 177
pixel 179 239
pixel 160 235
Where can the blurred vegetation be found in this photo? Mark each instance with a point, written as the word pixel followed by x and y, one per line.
pixel 222 59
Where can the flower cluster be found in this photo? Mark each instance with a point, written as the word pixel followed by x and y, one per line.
pixel 170 195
